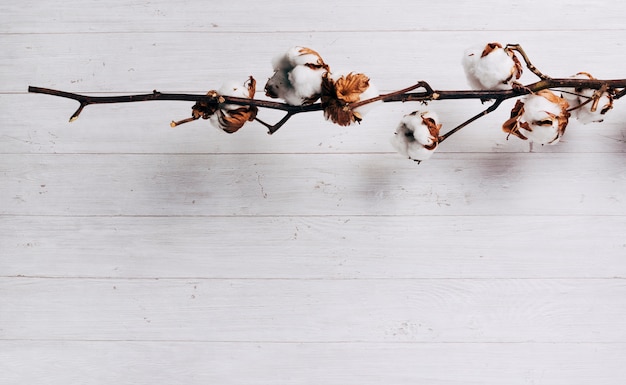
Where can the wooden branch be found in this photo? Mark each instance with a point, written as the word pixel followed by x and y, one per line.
pixel 334 105
pixel 399 96
pixel 404 95
pixel 85 100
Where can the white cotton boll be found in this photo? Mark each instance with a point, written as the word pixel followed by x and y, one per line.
pixel 306 82
pixel 283 61
pixel 584 113
pixel 470 61
pixel 539 121
pixel 291 58
pixel 581 109
pixel 490 67
pixel 235 89
pixel 229 88
pixel 279 86
pixel 297 76
pixel 416 136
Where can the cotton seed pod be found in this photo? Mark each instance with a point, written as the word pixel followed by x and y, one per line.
pixel 297 77
pixel 417 135
pixel 588 105
pixel 491 67
pixel 540 118
pixel 339 90
pixel 231 117
pixel 204 109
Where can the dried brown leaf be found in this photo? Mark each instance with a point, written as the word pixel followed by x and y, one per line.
pixel 433 129
pixel 511 126
pixel 320 62
pixel 231 121
pixel 350 87
pixel 336 96
pixel 490 47
pixel 204 109
pixel 517 69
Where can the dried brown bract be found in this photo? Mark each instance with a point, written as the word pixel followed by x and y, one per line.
pixel 202 109
pixel 205 109
pixel 338 94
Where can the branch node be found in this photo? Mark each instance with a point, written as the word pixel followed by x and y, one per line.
pixel 273 128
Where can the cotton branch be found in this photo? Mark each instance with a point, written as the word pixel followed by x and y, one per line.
pixel 85 100
pixel 405 95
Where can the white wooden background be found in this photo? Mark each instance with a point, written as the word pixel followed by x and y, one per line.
pixel 134 253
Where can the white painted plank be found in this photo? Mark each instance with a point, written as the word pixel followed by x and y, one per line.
pixel 179 61
pixel 292 259
pixel 284 15
pixel 325 184
pixel 128 62
pixel 103 363
pixel 378 247
pixel 294 310
pixel 144 128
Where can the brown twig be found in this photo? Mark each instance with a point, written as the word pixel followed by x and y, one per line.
pixel 529 65
pixel 274 127
pixel 429 94
pixel 404 95
pixel 86 100
pixel 491 108
pixel 212 101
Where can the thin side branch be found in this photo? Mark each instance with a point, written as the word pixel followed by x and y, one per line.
pixel 273 128
pixel 491 108
pixel 531 67
pixel 392 96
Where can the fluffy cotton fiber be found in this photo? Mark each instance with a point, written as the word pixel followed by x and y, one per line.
pixel 491 67
pixel 297 76
pixel 417 135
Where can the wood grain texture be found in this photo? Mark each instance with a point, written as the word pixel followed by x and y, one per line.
pixel 301 310
pixel 288 363
pixel 316 247
pixel 116 62
pixel 283 15
pixel 340 184
pixel 131 252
